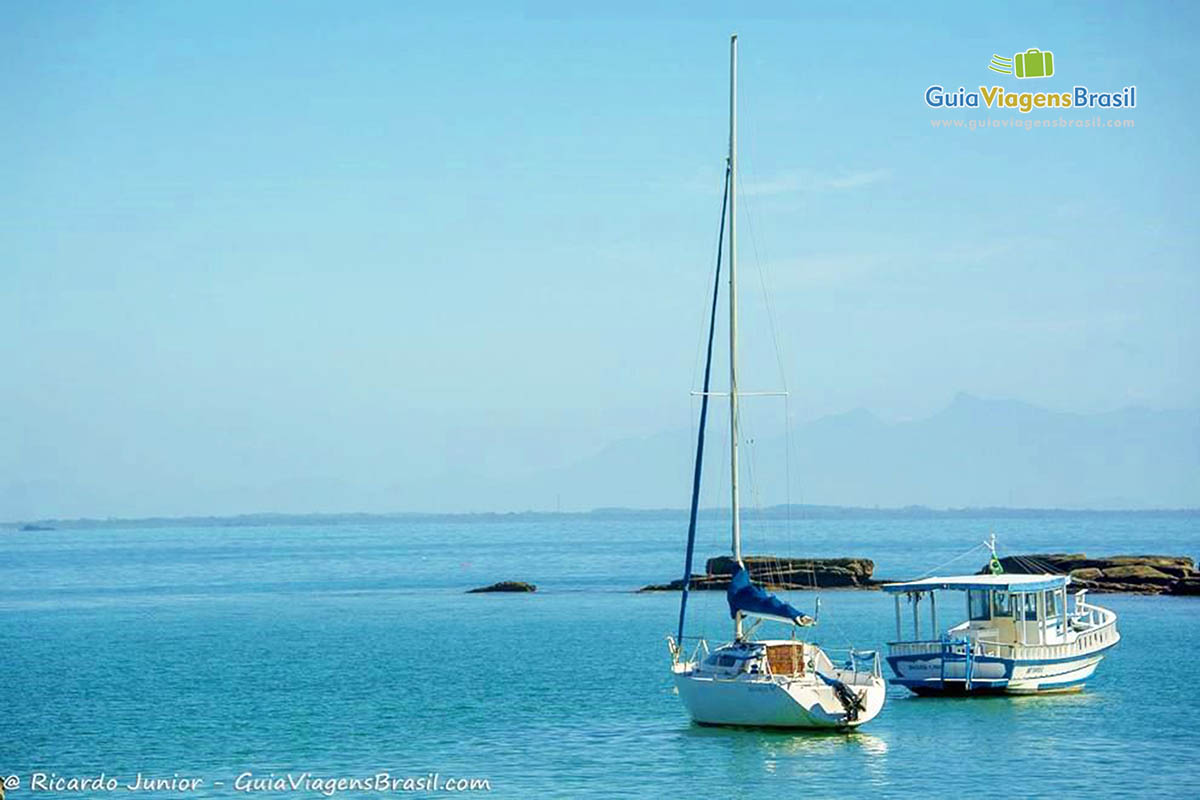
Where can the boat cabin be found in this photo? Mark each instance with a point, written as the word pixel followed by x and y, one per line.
pixel 775 657
pixel 1014 609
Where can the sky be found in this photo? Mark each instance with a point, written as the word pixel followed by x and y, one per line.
pixel 289 256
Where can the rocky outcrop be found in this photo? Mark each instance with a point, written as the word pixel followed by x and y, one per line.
pixel 776 572
pixel 1135 574
pixel 505 586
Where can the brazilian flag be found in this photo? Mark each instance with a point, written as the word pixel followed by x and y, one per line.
pixel 994 567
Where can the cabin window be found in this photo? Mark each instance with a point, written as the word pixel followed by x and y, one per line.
pixel 727 661
pixel 977 604
pixel 1052 605
pixel 1001 604
pixel 1030 607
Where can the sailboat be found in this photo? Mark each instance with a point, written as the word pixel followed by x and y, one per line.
pixel 782 683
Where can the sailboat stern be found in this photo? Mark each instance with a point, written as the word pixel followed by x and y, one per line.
pixel 736 685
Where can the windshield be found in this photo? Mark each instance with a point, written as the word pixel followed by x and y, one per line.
pixel 1001 604
pixel 977 604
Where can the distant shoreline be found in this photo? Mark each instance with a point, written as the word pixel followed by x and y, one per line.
pixel 794 512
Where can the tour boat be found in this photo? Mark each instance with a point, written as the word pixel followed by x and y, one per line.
pixel 775 682
pixel 1021 636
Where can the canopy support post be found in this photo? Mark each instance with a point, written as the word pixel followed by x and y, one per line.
pixel 1063 614
pixel 933 615
pixel 1019 616
pixel 1042 615
pixel 916 598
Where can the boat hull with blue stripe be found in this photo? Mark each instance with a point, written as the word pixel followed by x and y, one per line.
pixel 1021 636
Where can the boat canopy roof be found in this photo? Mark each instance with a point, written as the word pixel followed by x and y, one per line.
pixel 1002 582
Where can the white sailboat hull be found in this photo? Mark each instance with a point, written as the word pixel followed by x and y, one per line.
pixel 772 701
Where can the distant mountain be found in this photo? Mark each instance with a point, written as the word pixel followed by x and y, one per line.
pixel 674 515
pixel 974 453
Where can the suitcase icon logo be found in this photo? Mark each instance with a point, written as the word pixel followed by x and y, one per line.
pixel 1033 63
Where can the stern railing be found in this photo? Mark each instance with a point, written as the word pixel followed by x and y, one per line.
pixel 856 661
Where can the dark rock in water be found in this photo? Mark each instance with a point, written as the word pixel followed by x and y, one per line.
pixel 1085 574
pixel 776 572
pixel 1134 574
pixel 34 527
pixel 798 573
pixel 1187 586
pixel 505 586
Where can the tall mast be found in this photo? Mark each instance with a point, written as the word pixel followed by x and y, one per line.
pixel 733 306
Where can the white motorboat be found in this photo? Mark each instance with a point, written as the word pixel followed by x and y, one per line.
pixel 1022 635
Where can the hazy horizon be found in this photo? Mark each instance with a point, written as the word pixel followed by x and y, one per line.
pixel 293 257
pixel 858 434
pixel 818 512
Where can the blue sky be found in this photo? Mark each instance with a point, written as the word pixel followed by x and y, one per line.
pixel 255 252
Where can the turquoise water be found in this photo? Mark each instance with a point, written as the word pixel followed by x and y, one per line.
pixel 349 649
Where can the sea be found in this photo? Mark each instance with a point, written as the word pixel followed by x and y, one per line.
pixel 310 659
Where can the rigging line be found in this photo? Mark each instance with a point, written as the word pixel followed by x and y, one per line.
pixel 1036 566
pixel 763 271
pixel 751 442
pixel 772 568
pixel 711 537
pixel 841 632
pixel 780 363
pixel 712 326
pixel 787 474
pixel 700 340
pixel 747 455
pixel 700 325
pixel 767 302
pixel 715 537
pixel 951 561
pixel 1044 565
pixel 750 167
pixel 779 360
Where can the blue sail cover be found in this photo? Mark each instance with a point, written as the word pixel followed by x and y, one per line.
pixel 750 599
